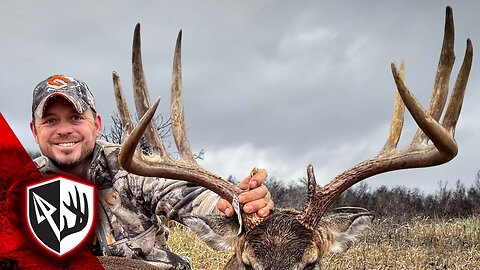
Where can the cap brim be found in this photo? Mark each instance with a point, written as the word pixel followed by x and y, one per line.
pixel 76 103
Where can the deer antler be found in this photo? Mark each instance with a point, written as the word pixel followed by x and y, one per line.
pixel 160 163
pixel 419 153
pixel 81 218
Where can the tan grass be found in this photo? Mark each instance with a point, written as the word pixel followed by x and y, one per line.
pixel 418 244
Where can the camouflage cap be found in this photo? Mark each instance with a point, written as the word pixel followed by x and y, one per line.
pixel 72 89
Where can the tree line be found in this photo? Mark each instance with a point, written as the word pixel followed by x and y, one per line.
pixel 397 202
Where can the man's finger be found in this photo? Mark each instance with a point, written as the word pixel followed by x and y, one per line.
pixel 254 194
pixel 258 178
pixel 244 184
pixel 262 206
pixel 264 212
pixel 254 180
pixel 225 207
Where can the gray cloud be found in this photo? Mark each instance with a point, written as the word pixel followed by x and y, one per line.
pixel 268 83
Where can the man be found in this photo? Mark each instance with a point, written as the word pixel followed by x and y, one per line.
pixel 66 127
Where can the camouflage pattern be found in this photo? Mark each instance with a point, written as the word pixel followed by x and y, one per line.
pixel 129 206
pixel 72 89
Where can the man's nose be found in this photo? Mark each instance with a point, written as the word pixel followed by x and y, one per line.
pixel 64 127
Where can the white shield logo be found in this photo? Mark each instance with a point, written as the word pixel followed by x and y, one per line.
pixel 60 213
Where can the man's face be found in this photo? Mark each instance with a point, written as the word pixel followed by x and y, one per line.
pixel 64 135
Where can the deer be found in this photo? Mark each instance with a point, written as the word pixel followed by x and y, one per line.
pixel 288 238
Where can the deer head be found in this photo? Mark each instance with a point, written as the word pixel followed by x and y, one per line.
pixel 290 239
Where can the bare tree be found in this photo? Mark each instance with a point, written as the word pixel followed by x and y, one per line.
pixel 163 126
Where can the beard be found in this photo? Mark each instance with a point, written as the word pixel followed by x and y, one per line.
pixel 69 159
pixel 70 164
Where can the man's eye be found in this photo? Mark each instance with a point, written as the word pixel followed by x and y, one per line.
pixel 49 121
pixel 77 117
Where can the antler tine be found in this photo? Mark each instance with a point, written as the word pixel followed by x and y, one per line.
pixel 307 217
pixel 396 125
pixel 128 157
pixel 455 104
pixel 141 96
pixel 176 105
pixel 433 130
pixel 442 77
pixel 418 153
pixel 122 106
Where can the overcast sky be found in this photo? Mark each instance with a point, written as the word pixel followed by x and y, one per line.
pixel 274 84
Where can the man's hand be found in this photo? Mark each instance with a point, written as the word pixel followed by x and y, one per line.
pixel 256 199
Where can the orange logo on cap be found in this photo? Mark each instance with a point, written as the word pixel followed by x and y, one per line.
pixel 54 80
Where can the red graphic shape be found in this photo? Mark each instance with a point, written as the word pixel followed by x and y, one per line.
pixel 17 171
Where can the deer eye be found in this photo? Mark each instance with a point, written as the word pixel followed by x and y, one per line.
pixel 247 266
pixel 310 266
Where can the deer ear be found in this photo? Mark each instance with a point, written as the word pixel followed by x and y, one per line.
pixel 346 228
pixel 219 232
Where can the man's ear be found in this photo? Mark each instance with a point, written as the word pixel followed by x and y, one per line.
pixel 346 227
pixel 98 125
pixel 219 232
pixel 34 131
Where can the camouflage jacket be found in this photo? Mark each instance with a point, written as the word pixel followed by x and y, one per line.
pixel 129 206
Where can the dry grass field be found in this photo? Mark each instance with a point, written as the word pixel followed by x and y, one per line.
pixel 417 244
